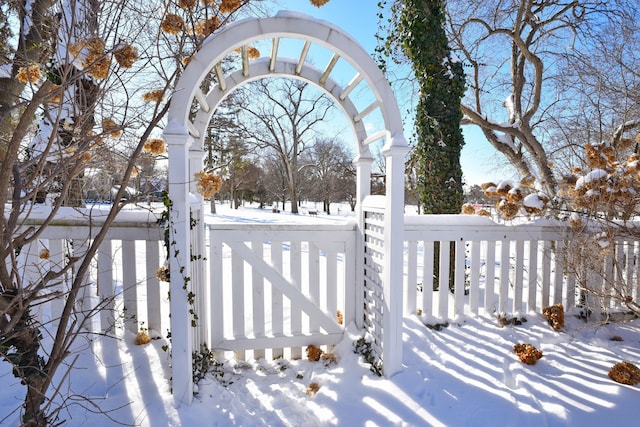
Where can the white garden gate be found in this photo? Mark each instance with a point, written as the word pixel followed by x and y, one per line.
pixel 185 137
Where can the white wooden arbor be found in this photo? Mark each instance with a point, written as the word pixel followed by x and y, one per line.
pixel 185 137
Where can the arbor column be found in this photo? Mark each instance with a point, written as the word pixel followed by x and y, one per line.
pixel 363 189
pixel 178 141
pixel 395 151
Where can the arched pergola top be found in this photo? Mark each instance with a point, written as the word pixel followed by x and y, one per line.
pixel 286 68
pixel 206 65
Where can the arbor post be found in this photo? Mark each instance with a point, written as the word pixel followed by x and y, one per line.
pixel 394 151
pixel 178 143
pixel 363 164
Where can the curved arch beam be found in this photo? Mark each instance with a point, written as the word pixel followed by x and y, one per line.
pixel 286 68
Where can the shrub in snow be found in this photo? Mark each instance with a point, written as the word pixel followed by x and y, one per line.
pixel 142 338
pixel 625 373
pixel 555 316
pixel 527 353
pixel 313 389
pixel 516 199
pixel 314 353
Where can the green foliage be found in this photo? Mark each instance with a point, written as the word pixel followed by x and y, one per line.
pixel 416 28
pixel 363 347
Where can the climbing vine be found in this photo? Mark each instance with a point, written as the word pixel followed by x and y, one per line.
pixel 164 272
pixel 416 33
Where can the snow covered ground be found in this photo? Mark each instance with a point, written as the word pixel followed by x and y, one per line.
pixel 465 374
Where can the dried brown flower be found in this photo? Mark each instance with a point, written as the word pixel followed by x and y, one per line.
pixel 207 184
pixel 527 181
pixel 55 93
pixel 253 52
pixel 32 74
pixel 185 60
pixel 507 209
pixel 154 96
pixel 340 317
pixel 142 338
pixel 468 209
pixel 172 24
pixel 110 127
pixel 313 389
pixel 205 27
pixel 163 273
pixel 126 56
pixel 229 6
pixel 527 353
pixel 555 316
pixel 314 353
pixel 625 373
pixel 318 3
pixel 329 358
pixel 155 146
pixel 187 4
pixel 44 254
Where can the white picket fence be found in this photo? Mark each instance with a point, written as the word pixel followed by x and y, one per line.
pixel 122 283
pixel 509 270
pixel 265 290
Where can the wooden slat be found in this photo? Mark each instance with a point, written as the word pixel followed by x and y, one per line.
pixel 546 273
pixel 460 261
pixel 258 299
pixel 314 282
pixel 474 277
pixel 105 285
pixel 427 279
pixel 130 285
pixel 154 299
pixel 216 297
pixel 411 285
pixel 489 286
pixel 277 306
pixel 295 261
pixel 503 297
pixel 532 283
pixel 57 250
pixel 237 296
pixel 443 285
pixel 519 277
pixel 559 264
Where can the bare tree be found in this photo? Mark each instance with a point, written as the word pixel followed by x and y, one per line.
pixel 93 97
pixel 522 59
pixel 331 172
pixel 282 115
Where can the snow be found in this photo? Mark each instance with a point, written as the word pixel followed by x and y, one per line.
pixel 5 71
pixel 535 200
pixel 593 176
pixel 463 374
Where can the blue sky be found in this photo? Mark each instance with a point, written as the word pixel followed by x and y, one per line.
pixel 480 161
